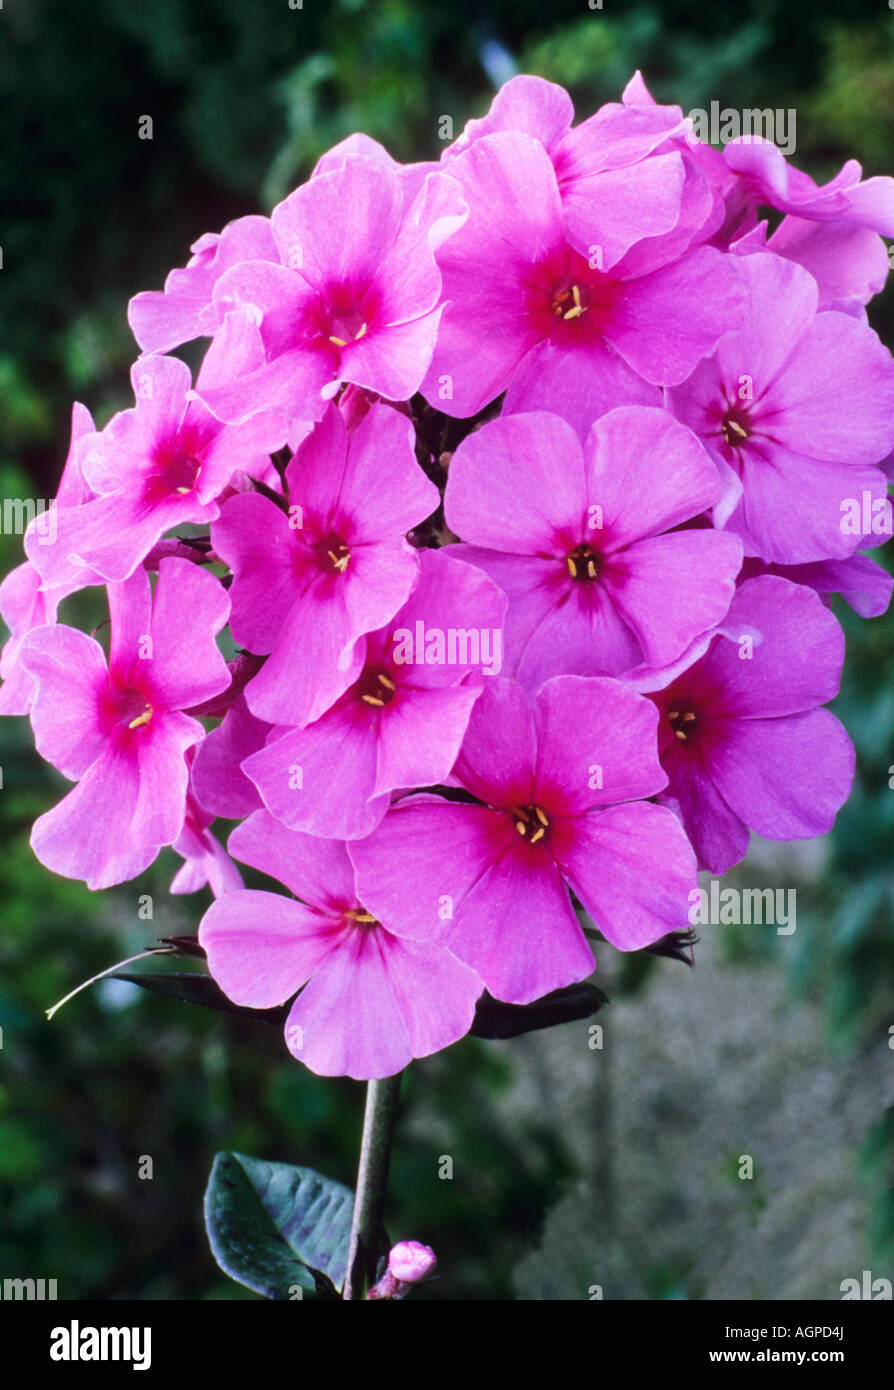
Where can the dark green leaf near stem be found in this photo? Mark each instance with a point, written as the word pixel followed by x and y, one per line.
pixel 493 1019
pixel 278 1229
pixel 192 987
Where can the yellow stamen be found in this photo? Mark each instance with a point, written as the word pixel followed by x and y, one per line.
pixel 680 735
pixel 339 562
pixel 674 714
pixel 578 309
pixel 688 718
pixel 343 342
pixel 373 700
pixel 733 433
pixel 532 823
pixel 141 718
pixel 583 565
pixel 387 682
pixel 184 491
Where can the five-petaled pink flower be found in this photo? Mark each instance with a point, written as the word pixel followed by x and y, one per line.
pixel 560 781
pixel 309 583
pixel 545 321
pixel 25 602
pixel 796 407
pixel 402 721
pixel 118 728
pixel 741 736
pixel 373 996
pixel 356 298
pixel 161 464
pixel 586 542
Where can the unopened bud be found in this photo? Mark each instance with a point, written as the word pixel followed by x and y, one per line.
pixel 408 1262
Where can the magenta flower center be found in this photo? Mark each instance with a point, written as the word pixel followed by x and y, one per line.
pixel 346 329
pixel 566 295
pixel 131 708
pixel 735 428
pixel 176 472
pixel 584 564
pixel 340 320
pixel 362 917
pixel 333 555
pixel 683 722
pixel 376 688
pixel 531 822
pixel 569 303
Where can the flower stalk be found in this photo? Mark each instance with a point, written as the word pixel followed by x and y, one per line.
pixel 372 1182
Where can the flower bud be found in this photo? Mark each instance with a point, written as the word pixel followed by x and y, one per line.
pixel 408 1262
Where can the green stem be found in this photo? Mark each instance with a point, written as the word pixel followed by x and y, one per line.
pixel 372 1182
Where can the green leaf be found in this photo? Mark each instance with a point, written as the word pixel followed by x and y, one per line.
pixel 191 987
pixel 494 1019
pixel 272 1226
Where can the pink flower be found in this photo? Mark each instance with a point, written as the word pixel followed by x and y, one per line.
pixel 372 997
pixel 764 178
pixel 24 602
pixel 561 780
pixel 117 729
pixel 186 309
pixel 795 408
pixel 206 860
pixel 863 584
pixel 546 322
pixel 583 541
pixel 356 298
pixel 612 193
pixel 308 584
pixel 849 264
pixel 219 784
pixel 412 176
pixel 154 467
pixel 402 721
pixel 23 606
pixel 751 172
pixel 741 738
pixel 469 726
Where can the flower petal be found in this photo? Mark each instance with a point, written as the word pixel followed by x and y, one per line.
pixel 632 868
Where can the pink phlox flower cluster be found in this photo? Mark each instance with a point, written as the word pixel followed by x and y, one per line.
pixel 482 574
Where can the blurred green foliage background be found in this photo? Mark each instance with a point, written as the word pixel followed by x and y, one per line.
pixel 244 97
